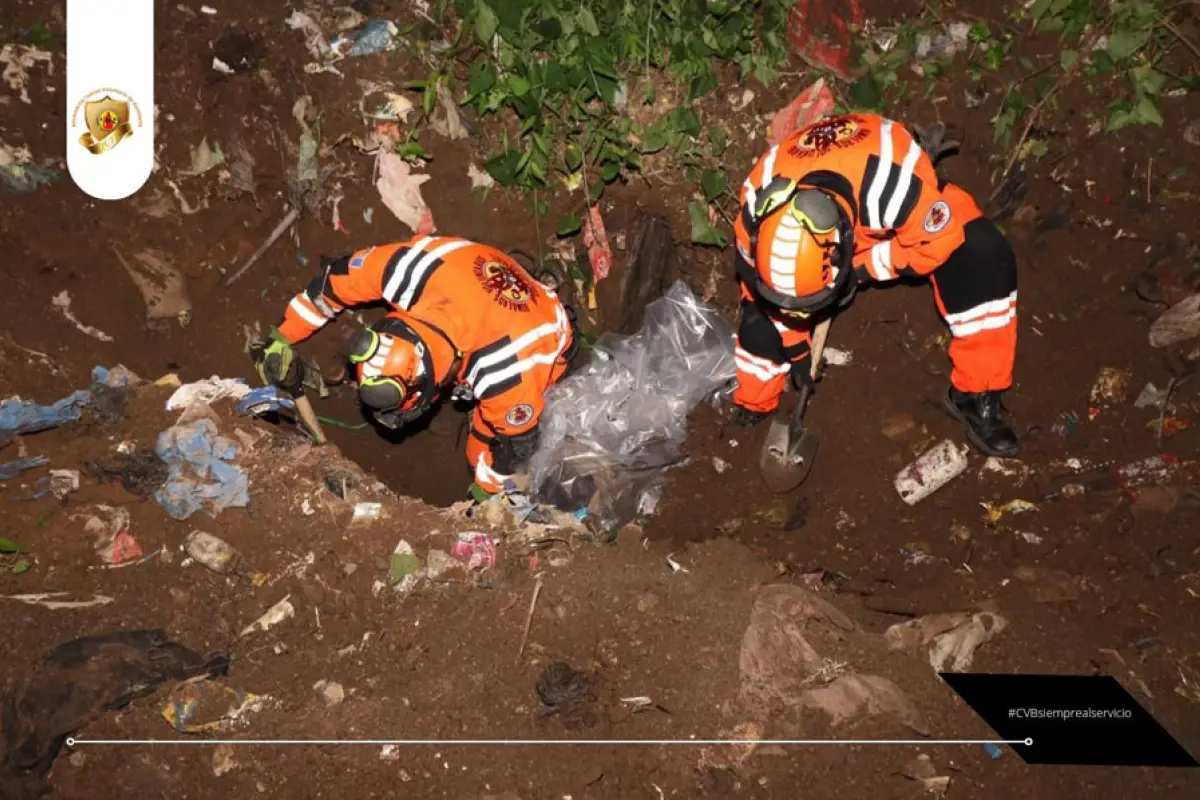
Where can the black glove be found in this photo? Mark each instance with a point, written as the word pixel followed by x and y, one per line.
pixel 802 373
pixel 933 141
pixel 276 363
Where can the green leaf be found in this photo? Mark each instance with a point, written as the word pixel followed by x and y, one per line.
pixel 1147 113
pixel 993 59
pixel 38 36
pixel 485 22
pixel 653 139
pixel 1123 43
pixel 703 231
pixel 504 167
pixel 702 85
pixel 595 192
pixel 587 22
pixel 1068 58
pixel 609 171
pixel 412 150
pixel 9 546
pixel 573 158
pixel 569 225
pixel 687 122
pixel 549 29
pixel 1038 9
pixel 19 567
pixel 713 182
pixel 518 86
pixel 865 92
pixel 428 97
pixel 481 79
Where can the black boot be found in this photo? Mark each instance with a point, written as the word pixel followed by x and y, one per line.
pixel 987 422
pixel 745 418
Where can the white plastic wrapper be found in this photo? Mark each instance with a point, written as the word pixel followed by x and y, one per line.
pixel 610 431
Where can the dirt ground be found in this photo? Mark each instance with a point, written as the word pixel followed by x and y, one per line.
pixel 1105 582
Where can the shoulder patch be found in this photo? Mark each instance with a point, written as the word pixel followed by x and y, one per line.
pixel 519 415
pixel 937 217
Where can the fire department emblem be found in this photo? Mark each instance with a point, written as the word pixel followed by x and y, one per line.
pixel 107 118
pixel 828 134
pixel 938 217
pixel 519 415
pixel 506 285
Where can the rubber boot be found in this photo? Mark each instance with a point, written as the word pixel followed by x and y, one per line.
pixel 745 418
pixel 986 420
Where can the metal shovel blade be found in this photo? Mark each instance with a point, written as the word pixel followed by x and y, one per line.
pixel 787 455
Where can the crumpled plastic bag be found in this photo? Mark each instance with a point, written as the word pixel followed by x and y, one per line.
pixel 201 477
pixel 21 416
pixel 1177 324
pixel 401 193
pixel 207 392
pixel 610 431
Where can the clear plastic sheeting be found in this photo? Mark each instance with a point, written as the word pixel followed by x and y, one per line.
pixel 610 431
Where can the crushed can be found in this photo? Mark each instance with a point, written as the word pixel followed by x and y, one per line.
pixel 933 470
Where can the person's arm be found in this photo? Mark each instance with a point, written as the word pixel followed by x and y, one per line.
pixel 350 280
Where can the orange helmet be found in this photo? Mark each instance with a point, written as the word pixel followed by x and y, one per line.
pixel 394 370
pixel 802 241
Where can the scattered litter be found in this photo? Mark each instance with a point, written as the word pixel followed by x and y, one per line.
pixel 922 771
pixel 447 121
pixel 109 528
pixel 19 173
pixel 1151 397
pixel 1031 538
pixel 389 752
pixel 21 417
pixel 1066 423
pixel 476 550
pixel 1177 324
pixel 915 555
pixel 376 36
pixel 314 39
pixel 46 600
pixel 569 694
pixel 480 179
pixel 951 638
pixel 162 286
pixel 266 400
pixel 63 482
pixel 18 59
pixel 14 468
pixel 1155 469
pixel 996 511
pixel 720 465
pixel 219 66
pixel 241 168
pixel 62 302
pixel 836 357
pixel 595 239
pixel 810 106
pixel 200 477
pixel 218 555
pixel 205 157
pixel 675 565
pixel 403 563
pixel 140 471
pixel 931 471
pixel 223 760
pixel 208 10
pixel 1169 426
pixel 821 35
pixel 1110 386
pixel 207 392
pixel 211 707
pixel 331 692
pixel 994 751
pixel 367 511
pixel 400 191
pixel 283 610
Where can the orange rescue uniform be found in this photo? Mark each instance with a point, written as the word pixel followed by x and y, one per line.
pixel 512 334
pixel 907 223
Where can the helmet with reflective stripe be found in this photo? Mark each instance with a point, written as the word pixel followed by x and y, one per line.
pixel 801 242
pixel 394 371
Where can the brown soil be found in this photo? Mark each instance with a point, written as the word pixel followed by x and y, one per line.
pixel 443 662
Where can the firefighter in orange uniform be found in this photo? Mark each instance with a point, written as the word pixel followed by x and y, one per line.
pixel 465 318
pixel 856 200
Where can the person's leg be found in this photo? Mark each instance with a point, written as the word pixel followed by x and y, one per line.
pixel 976 294
pixel 762 367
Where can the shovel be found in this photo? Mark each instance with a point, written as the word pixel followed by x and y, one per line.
pixel 789 449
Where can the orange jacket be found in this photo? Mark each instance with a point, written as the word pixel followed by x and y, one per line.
pixel 510 331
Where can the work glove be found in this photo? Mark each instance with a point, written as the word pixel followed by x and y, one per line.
pixel 802 373
pixel 933 141
pixel 276 363
pixel 478 493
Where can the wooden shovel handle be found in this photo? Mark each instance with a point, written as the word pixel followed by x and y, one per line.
pixel 819 335
pixel 309 418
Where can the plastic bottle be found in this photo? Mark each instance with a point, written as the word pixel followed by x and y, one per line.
pixel 933 470
pixel 216 554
